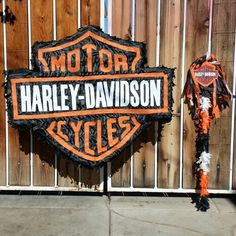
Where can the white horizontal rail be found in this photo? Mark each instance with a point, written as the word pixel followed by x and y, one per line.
pixel 76 189
pixel 109 184
pixel 168 190
pixel 48 188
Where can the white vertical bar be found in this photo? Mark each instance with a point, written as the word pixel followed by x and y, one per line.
pixel 54 38
pixel 109 15
pixel 80 169
pixel 29 33
pixel 78 25
pixel 4 37
pixel 132 166
pixel 109 177
pixel 54 20
pixel 102 26
pixel 133 5
pixel 182 100
pixel 30 67
pixel 101 172
pixel 109 12
pixel 102 14
pixel 158 37
pixel 55 170
pixel 31 159
pixel 210 29
pixel 79 16
pixel 157 64
pixel 5 69
pixel 232 122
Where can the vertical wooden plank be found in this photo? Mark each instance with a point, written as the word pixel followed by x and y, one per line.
pixel 2 113
pixel 120 169
pixel 144 159
pixel 41 23
pixel 17 55
pixel 68 172
pixel 151 22
pixel 41 20
pixel 170 55
pixel 196 46
pixel 90 178
pixel 144 149
pixel 67 18
pixel 121 20
pixel 90 12
pixel 224 22
pixel 43 163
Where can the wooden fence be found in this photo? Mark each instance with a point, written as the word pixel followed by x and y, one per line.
pixel 176 32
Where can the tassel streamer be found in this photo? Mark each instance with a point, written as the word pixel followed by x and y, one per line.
pixel 206 93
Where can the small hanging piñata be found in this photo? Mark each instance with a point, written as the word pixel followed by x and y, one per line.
pixel 206 94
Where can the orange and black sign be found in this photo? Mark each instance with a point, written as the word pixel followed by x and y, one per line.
pixel 89 95
pixel 205 74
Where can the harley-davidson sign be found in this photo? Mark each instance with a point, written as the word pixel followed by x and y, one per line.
pixel 205 74
pixel 89 95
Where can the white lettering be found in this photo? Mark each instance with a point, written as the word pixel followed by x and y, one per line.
pixel 37 101
pixel 117 96
pixel 155 93
pixel 109 93
pixel 47 97
pixel 25 95
pixel 124 93
pixel 64 97
pixel 89 96
pixel 144 93
pixel 74 92
pixel 134 99
pixel 56 107
pixel 100 96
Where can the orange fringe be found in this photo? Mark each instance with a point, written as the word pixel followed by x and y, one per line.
pixel 205 122
pixel 203 182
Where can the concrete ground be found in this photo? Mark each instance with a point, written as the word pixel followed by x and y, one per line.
pixel 97 215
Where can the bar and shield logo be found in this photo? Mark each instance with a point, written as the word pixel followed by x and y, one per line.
pixel 89 95
pixel 205 74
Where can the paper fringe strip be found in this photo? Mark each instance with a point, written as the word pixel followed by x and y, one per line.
pixel 205 103
pixel 204 162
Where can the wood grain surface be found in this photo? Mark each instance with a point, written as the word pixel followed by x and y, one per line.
pixel 17 57
pixel 144 147
pixel 90 12
pixel 121 27
pixel 171 36
pixel 170 55
pixel 223 33
pixel 42 30
pixel 196 46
